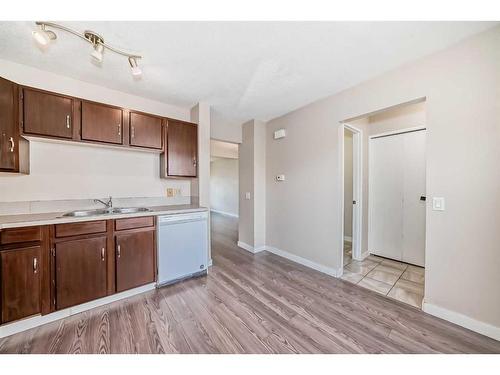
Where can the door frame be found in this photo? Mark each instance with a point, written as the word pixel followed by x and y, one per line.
pixel 357 193
pixel 387 134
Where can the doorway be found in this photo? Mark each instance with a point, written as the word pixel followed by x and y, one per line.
pixel 392 251
pixel 352 193
pixel 224 189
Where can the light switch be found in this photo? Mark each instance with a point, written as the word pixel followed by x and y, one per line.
pixel 247 195
pixel 438 203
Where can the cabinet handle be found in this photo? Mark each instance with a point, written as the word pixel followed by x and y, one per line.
pixel 68 121
pixel 35 265
pixel 120 129
pixel 194 162
pixel 11 140
pixel 119 251
pixel 103 251
pixel 133 131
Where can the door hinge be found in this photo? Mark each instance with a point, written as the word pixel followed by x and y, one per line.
pixel 54 301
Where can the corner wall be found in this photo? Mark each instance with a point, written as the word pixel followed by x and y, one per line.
pixel 461 87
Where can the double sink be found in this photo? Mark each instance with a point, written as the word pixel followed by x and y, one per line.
pixel 106 211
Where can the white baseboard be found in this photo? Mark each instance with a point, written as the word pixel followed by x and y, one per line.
pixel 35 321
pixel 305 262
pixel 463 320
pixel 250 248
pixel 224 213
pixel 348 238
pixel 210 262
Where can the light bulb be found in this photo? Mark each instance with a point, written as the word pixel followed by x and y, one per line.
pixel 134 68
pixel 97 52
pixel 43 37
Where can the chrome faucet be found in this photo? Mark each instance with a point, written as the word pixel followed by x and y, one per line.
pixel 108 204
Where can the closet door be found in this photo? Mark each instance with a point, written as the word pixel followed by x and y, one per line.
pixel 396 185
pixel 386 196
pixel 414 206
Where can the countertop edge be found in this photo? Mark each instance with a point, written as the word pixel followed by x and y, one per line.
pixel 68 219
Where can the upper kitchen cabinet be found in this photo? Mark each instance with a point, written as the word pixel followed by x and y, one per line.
pixel 102 123
pixel 181 155
pixel 145 130
pixel 47 114
pixel 9 140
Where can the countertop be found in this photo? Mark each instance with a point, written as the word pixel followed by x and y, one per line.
pixel 27 220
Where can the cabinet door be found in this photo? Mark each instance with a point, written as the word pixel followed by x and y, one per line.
pixel 134 259
pixel 80 274
pixel 20 270
pixel 8 130
pixel 101 123
pixel 182 145
pixel 145 131
pixel 47 114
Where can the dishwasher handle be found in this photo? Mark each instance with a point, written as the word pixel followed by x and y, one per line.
pixel 183 218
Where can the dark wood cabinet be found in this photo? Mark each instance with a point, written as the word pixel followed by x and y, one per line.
pixel 102 123
pixel 9 134
pixel 20 270
pixel 80 271
pixel 181 155
pixel 47 114
pixel 135 254
pixel 145 130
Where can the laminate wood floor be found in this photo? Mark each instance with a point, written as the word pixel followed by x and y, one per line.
pixel 252 304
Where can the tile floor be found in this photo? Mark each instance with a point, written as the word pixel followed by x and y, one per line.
pixel 391 278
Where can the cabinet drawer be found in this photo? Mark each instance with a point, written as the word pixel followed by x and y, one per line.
pixel 76 229
pixel 18 235
pixel 134 222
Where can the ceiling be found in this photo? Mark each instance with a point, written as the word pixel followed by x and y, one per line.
pixel 244 70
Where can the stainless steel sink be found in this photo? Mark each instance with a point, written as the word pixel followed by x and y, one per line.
pixel 110 211
pixel 83 213
pixel 130 210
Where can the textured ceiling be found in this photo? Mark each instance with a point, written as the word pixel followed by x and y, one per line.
pixel 243 69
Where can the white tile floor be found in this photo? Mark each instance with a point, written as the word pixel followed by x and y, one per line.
pixel 391 278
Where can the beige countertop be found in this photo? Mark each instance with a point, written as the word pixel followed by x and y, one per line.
pixel 26 220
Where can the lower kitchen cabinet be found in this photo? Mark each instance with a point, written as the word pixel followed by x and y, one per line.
pixel 135 259
pixel 80 271
pixel 20 281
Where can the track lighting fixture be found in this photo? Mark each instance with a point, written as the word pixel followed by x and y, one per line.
pixel 135 70
pixel 43 37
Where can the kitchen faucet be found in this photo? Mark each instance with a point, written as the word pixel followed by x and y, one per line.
pixel 108 204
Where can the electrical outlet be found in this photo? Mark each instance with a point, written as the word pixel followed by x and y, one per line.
pixel 170 192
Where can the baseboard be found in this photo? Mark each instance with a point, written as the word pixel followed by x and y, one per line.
pixel 250 248
pixel 463 320
pixel 35 321
pixel 210 262
pixel 305 262
pixel 348 238
pixel 224 213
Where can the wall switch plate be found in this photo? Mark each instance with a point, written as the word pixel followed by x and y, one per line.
pixel 438 203
pixel 170 192
pixel 280 177
pixel 247 195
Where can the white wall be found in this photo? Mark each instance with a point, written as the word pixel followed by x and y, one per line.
pixel 223 149
pixel 72 171
pixel 224 191
pixel 348 194
pixel 246 174
pixel 252 222
pixel 461 87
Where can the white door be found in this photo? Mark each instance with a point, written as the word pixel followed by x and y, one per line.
pixel 396 185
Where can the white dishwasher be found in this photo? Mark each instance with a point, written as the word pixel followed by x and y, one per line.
pixel 182 246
